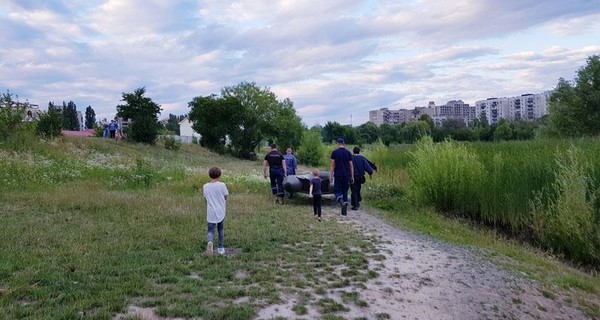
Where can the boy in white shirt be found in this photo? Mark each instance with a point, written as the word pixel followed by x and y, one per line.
pixel 215 192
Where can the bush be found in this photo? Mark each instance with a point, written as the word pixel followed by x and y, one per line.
pixel 143 129
pixel 50 124
pixel 10 119
pixel 171 143
pixel 311 150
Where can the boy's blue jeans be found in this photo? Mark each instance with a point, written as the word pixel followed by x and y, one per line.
pixel 211 232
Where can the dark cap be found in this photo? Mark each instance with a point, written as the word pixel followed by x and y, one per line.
pixel 340 140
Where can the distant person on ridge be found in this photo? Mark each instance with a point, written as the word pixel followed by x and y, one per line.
pixel 277 170
pixel 342 172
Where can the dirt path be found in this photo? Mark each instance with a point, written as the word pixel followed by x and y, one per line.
pixel 421 278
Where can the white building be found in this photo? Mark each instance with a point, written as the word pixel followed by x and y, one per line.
pixel 528 107
pixel 186 132
pixel 393 117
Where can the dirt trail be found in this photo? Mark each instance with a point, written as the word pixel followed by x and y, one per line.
pixel 421 278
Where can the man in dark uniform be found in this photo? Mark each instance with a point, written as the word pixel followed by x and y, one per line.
pixel 342 173
pixel 361 166
pixel 277 170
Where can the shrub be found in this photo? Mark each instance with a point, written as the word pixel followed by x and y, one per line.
pixel 310 151
pixel 10 118
pixel 50 124
pixel 566 220
pixel 171 143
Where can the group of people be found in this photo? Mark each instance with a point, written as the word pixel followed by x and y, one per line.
pixel 347 171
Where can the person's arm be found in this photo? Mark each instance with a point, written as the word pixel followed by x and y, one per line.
pixel 226 197
pixel 284 167
pixel 310 190
pixel 264 169
pixel 351 171
pixel 368 168
pixel 331 168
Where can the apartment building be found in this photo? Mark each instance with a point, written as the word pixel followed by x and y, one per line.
pixel 528 107
pixel 452 109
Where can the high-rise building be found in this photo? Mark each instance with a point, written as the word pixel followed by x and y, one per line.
pixel 526 107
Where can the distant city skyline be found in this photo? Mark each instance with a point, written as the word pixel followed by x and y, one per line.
pixel 335 60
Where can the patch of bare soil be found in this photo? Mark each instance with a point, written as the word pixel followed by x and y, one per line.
pixel 421 278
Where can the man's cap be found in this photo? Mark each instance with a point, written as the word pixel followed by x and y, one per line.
pixel 340 140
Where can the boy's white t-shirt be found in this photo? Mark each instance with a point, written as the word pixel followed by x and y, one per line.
pixel 214 193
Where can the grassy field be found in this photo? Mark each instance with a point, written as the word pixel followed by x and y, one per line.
pixel 90 227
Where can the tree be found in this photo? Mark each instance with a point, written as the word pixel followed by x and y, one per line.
pixel 333 130
pixel 11 115
pixel 70 119
pixel 367 133
pixel 214 118
pixel 415 130
pixel 90 118
pixel 50 123
pixel 263 117
pixel 388 133
pixel 173 123
pixel 504 131
pixel 311 150
pixel 143 113
pixel 574 108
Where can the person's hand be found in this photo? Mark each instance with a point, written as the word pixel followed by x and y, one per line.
pixel 352 180
pixel 264 175
pixel 310 195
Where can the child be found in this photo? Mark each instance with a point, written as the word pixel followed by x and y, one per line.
pixel 315 192
pixel 215 192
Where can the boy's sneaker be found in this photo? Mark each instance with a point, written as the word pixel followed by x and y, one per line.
pixel 221 251
pixel 345 208
pixel 319 219
pixel 209 248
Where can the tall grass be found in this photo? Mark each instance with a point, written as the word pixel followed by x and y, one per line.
pixel 497 183
pixel 447 176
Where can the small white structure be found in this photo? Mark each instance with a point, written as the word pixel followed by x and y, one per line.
pixel 186 133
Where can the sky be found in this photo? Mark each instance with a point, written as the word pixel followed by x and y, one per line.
pixel 335 59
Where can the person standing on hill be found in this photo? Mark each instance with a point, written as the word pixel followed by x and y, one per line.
pixel 342 172
pixel 112 128
pixel 215 192
pixel 277 170
pixel 361 165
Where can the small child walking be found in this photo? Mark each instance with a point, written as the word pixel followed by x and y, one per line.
pixel 315 193
pixel 215 192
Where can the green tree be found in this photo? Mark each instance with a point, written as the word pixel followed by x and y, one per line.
pixel 173 123
pixel 367 133
pixel 90 117
pixel 11 115
pixel 415 130
pixel 388 133
pixel 311 150
pixel 333 130
pixel 263 118
pixel 287 126
pixel 143 113
pixel 69 113
pixel 504 131
pixel 574 108
pixel 213 118
pixel 50 123
pixel 427 118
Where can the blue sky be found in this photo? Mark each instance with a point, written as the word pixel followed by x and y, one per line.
pixel 335 59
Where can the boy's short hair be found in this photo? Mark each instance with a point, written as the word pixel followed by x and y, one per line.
pixel 315 172
pixel 273 146
pixel 214 172
pixel 356 150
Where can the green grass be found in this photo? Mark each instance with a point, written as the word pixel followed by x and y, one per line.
pixel 90 227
